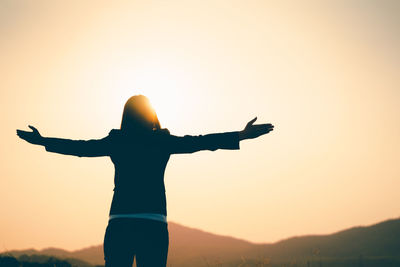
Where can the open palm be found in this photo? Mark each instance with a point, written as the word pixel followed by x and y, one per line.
pixel 33 137
pixel 255 130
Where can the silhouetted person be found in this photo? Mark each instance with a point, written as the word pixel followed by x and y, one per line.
pixel 140 150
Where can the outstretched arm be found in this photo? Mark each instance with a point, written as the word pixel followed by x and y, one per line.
pixel 80 148
pixel 193 143
pixel 226 140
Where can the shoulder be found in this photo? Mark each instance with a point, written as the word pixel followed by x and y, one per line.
pixel 162 134
pixel 164 131
pixel 114 132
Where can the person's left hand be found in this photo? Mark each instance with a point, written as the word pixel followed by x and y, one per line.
pixel 33 137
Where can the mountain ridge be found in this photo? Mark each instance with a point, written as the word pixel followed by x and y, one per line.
pixel 189 245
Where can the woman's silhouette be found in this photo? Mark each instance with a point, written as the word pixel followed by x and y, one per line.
pixel 140 150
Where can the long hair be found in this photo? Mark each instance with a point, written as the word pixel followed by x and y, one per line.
pixel 139 115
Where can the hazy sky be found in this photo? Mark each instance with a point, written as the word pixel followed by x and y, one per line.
pixel 325 73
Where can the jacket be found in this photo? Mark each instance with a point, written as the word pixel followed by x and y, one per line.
pixel 140 161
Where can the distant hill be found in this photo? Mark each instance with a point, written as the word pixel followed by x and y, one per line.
pixel 193 247
pixel 378 240
pixel 39 260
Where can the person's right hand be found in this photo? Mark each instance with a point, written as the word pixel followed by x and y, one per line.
pixel 253 131
pixel 33 137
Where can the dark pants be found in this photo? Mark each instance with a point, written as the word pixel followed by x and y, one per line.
pixel 145 239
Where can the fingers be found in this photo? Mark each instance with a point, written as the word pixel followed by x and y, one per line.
pixel 251 122
pixel 22 134
pixel 267 126
pixel 263 128
pixel 33 128
pixel 256 130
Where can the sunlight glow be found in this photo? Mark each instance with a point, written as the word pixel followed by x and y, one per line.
pixel 161 85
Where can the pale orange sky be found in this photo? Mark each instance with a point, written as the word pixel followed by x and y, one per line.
pixel 325 73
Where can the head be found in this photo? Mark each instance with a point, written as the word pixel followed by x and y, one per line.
pixel 139 115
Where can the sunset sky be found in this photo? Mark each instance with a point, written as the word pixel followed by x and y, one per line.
pixel 325 73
